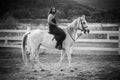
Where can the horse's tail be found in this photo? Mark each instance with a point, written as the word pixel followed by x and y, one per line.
pixel 23 46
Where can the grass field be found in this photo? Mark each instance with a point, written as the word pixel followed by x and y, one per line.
pixel 85 67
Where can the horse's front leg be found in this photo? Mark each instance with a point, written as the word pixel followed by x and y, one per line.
pixel 62 57
pixel 69 52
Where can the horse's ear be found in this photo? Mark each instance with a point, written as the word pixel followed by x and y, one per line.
pixel 83 16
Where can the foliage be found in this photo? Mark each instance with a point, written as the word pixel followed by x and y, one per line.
pixel 68 9
pixel 9 23
pixel 106 16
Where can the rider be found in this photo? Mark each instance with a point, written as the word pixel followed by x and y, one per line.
pixel 58 33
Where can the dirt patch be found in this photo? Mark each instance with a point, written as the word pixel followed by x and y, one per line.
pixel 84 67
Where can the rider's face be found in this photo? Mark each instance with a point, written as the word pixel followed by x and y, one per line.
pixel 53 10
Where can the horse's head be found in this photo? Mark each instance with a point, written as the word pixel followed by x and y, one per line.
pixel 82 24
pixel 78 24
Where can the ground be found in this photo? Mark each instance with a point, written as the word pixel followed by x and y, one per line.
pixel 84 67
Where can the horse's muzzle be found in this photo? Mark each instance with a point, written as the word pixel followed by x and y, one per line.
pixel 86 31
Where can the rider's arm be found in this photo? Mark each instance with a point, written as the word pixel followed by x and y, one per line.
pixel 50 17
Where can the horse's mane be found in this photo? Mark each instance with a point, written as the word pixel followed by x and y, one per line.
pixel 73 23
pixel 71 27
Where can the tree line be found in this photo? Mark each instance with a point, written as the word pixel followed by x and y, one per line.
pixel 67 9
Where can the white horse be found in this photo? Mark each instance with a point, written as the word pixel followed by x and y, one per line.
pixel 33 40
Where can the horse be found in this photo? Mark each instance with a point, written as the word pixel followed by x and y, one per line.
pixel 34 39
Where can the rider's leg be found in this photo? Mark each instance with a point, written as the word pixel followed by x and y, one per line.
pixel 57 45
pixel 57 41
pixel 60 38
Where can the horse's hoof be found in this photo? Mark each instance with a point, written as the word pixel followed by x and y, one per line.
pixel 76 68
pixel 34 70
pixel 88 31
pixel 71 70
pixel 42 70
pixel 61 70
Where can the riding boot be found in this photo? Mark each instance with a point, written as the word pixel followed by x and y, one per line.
pixel 57 45
pixel 60 46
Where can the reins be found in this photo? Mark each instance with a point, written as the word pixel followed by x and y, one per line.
pixel 70 35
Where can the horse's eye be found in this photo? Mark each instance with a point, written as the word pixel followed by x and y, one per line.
pixel 83 22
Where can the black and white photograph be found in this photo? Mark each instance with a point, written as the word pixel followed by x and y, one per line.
pixel 59 40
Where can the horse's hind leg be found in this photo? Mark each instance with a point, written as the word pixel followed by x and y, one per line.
pixel 33 60
pixel 37 57
pixel 34 57
pixel 27 54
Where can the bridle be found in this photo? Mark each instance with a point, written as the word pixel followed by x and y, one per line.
pixel 82 25
pixel 82 30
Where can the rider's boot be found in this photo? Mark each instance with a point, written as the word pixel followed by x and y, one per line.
pixel 59 46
